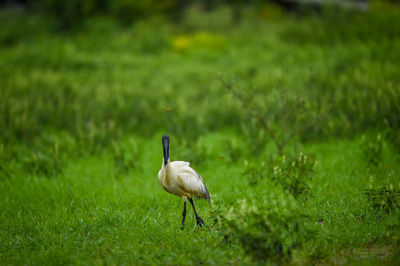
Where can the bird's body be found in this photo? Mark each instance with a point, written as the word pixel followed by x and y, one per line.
pixel 179 179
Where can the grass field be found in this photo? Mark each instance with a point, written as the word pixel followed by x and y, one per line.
pixel 291 119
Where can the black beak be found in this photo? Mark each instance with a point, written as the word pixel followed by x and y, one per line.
pixel 166 152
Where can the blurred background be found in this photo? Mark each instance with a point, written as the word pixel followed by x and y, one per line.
pixel 82 73
pixel 76 75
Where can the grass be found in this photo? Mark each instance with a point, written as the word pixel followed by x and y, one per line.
pixel 82 114
pixel 90 215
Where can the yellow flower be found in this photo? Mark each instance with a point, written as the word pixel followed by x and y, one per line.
pixel 181 43
pixel 198 40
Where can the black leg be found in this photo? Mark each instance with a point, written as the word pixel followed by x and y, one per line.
pixel 183 213
pixel 199 221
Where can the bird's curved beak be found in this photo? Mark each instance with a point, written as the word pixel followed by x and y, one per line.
pixel 166 152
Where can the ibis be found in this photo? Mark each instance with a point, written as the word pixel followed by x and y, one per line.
pixel 179 179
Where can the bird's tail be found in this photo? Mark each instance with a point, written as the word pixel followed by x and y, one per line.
pixel 204 196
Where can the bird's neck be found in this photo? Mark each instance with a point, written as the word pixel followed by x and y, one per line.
pixel 165 165
pixel 164 169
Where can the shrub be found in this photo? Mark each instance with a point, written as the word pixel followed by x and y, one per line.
pixel 269 229
pixel 280 114
pixel 294 173
pixel 384 199
pixel 291 172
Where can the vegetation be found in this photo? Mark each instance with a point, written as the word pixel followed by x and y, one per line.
pixel 288 116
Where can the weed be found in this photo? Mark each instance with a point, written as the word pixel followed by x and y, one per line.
pixel 384 199
pixel 269 229
pixel 285 116
pixel 294 173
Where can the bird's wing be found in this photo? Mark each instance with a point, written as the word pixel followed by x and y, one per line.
pixel 192 182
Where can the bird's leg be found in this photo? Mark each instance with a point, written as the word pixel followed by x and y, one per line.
pixel 199 221
pixel 183 213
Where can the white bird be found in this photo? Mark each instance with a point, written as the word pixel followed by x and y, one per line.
pixel 180 179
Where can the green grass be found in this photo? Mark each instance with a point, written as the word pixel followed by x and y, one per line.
pixel 90 215
pixel 82 114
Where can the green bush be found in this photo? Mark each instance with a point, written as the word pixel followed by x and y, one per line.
pixel 291 172
pixel 385 199
pixel 294 173
pixel 279 114
pixel 269 228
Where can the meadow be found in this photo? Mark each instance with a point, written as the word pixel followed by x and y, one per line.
pixel 292 119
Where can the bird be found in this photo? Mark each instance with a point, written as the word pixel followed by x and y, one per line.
pixel 179 179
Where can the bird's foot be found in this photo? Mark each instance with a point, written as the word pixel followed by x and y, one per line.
pixel 200 221
pixel 182 227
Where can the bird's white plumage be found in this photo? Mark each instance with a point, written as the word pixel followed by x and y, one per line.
pixel 180 179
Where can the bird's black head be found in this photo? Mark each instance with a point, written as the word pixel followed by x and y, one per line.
pixel 165 139
pixel 165 143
